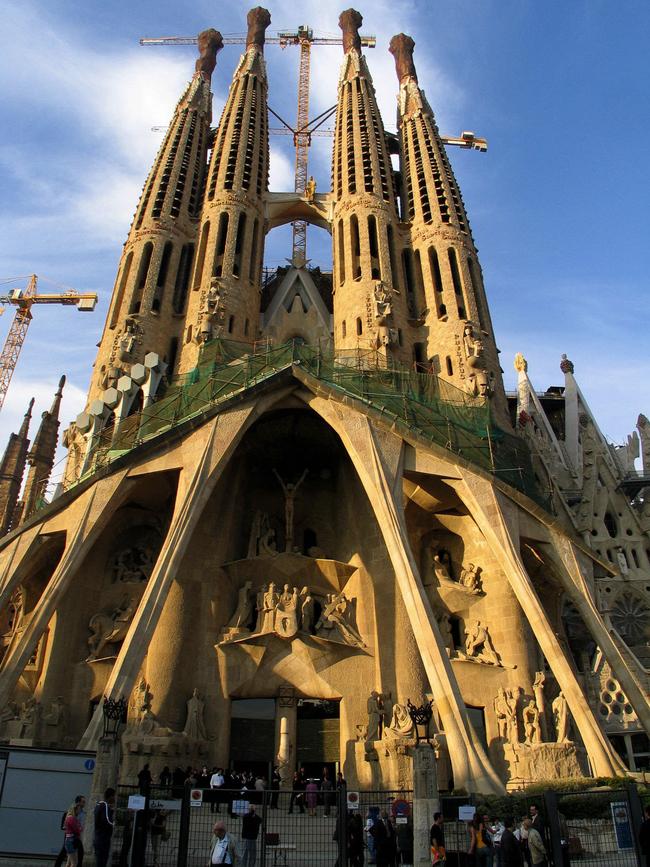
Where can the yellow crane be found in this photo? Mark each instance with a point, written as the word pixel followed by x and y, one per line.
pixel 23 301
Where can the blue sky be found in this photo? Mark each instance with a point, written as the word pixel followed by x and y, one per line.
pixel 558 205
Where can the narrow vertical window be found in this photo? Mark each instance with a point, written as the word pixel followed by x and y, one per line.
pixel 343 329
pixel 161 280
pixel 220 249
pixel 436 276
pixel 182 283
pixel 359 326
pixel 458 286
pixel 341 255
pixel 393 258
pixel 239 244
pixel 355 245
pixel 172 354
pixel 373 244
pixel 231 324
pixel 450 366
pixel 143 273
pixel 200 259
pixel 252 265
pixel 119 295
pixel 409 276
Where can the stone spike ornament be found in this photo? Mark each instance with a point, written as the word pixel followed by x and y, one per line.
pixel 350 21
pixel 258 20
pixel 286 522
pixel 210 42
pixel 401 47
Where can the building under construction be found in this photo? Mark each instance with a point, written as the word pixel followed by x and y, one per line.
pixel 306 496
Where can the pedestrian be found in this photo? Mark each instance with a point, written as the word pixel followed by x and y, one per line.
pixel 437 841
pixel 217 781
pixel 644 836
pixel 510 849
pixel 537 820
pixel 327 787
pixel 480 846
pixel 535 845
pixel 496 831
pixel 404 840
pixel 371 821
pixel 250 830
pixel 297 793
pixel 103 831
pixel 144 780
pixel 355 839
pixel 276 779
pixel 260 786
pixel 166 777
pixel 72 830
pixel 311 793
pixel 220 846
pixel 158 832
pixel 62 856
pixel 385 841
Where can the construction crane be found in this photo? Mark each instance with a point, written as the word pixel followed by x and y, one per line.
pixel 305 129
pixel 24 300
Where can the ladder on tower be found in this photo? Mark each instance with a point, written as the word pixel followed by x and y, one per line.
pixel 24 300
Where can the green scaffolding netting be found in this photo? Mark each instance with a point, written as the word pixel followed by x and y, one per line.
pixel 424 403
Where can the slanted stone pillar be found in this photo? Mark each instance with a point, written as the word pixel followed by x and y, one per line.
pixel 106 774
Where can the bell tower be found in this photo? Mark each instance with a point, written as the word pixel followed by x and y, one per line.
pixel 456 325
pixel 149 297
pixel 225 292
pixel 370 309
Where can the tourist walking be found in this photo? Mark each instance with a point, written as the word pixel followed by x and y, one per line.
pixel 480 846
pixel 103 815
pixel 220 846
pixel 312 796
pixel 437 841
pixel 250 830
pixel 535 845
pixel 62 856
pixel 355 839
pixel 385 841
pixel 72 839
pixel 327 788
pixel 297 793
pixel 510 849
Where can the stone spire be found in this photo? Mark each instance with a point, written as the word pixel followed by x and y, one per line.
pixel 226 285
pixel 41 455
pixel 456 326
pixel 151 288
pixel 369 302
pixel 12 469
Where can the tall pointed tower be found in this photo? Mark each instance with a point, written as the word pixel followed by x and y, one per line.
pixel 456 328
pixel 225 296
pixel 41 455
pixel 12 469
pixel 150 294
pixel 370 304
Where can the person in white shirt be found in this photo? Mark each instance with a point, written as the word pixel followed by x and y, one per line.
pixel 216 782
pixel 221 851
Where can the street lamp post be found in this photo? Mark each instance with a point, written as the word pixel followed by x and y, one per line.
pixel 107 764
pixel 426 799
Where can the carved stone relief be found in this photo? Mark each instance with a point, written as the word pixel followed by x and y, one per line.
pixel 110 628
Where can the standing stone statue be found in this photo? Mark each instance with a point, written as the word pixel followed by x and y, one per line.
pixel 512 700
pixel 55 721
pixel 540 701
pixel 502 713
pixel 290 490
pixel 561 719
pixel 440 568
pixel 532 732
pixel 374 718
pixel 194 725
pixel 30 716
pixel 307 612
pixel 270 603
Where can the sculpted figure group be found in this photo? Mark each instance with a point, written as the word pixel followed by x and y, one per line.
pixel 469 577
pixel 508 704
pixel 289 611
pixel 386 720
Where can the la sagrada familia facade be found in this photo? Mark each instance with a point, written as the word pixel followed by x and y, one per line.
pixel 294 504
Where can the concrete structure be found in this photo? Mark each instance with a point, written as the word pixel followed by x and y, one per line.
pixel 269 554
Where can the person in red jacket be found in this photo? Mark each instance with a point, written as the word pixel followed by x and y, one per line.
pixel 72 830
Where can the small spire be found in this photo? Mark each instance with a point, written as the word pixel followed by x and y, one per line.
pixel 24 427
pixel 258 20
pixel 210 42
pixel 401 47
pixel 350 21
pixel 56 403
pixel 566 366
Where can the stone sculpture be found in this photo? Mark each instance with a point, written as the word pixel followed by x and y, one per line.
pixel 337 620
pixel 30 715
pixel 561 719
pixel 444 625
pixel 194 725
pixel 401 47
pixel 475 356
pixel 9 717
pixel 286 613
pixel 400 724
pixel 502 712
pixel 244 611
pixel 350 21
pixel 440 568
pixel 375 717
pixel 290 490
pixel 469 578
pixel 258 20
pixel 209 42
pixel 55 721
pixel 133 565
pixel 512 700
pixel 270 602
pixel 307 612
pixel 478 644
pixel 532 730
pixel 110 628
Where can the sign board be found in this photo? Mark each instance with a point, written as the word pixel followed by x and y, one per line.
pixel 400 808
pixel 622 825
pixel 353 800
pixel 240 808
pixel 89 764
pixel 466 813
pixel 196 797
pixel 137 802
pixel 401 820
pixel 164 804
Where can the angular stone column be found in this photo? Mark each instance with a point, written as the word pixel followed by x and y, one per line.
pixel 377 458
pixel 490 509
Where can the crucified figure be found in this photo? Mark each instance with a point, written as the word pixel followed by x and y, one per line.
pixel 290 490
